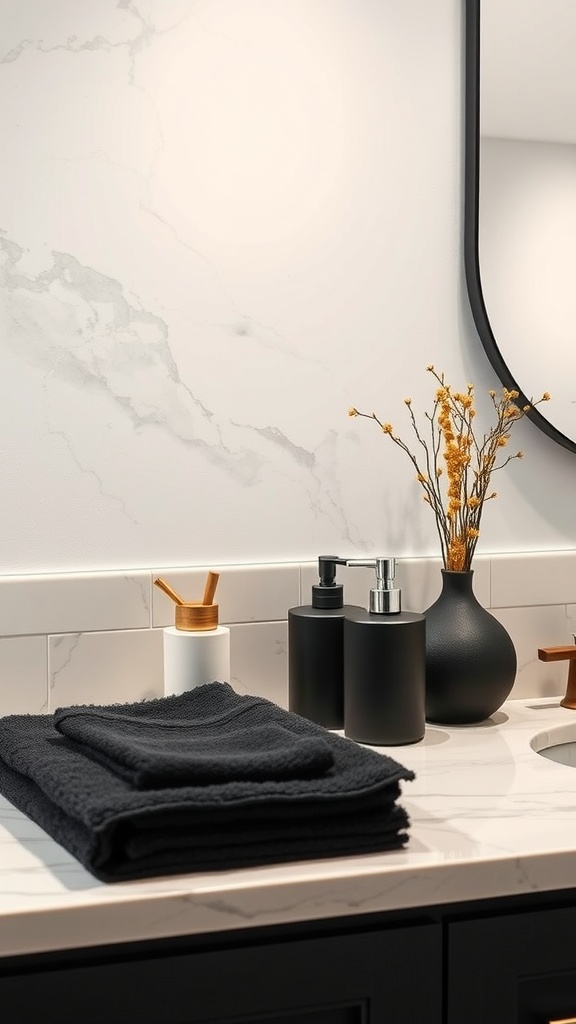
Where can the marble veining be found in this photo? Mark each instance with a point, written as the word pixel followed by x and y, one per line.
pixel 170 248
pixel 489 817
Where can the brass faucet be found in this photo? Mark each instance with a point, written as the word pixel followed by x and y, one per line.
pixel 567 653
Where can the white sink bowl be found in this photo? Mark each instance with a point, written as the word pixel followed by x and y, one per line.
pixel 558 744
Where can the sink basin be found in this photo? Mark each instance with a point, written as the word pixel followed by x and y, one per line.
pixel 557 744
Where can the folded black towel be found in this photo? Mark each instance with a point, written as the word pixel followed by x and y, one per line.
pixel 119 832
pixel 170 750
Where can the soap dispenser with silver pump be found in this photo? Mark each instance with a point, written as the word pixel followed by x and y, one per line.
pixel 384 665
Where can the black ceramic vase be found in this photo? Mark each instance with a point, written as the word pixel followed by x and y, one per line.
pixel 470 658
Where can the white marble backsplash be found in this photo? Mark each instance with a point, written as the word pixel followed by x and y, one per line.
pixel 97 637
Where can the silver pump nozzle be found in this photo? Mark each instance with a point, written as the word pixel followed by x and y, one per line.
pixel 385 599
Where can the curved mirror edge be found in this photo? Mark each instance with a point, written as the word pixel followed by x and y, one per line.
pixel 471 210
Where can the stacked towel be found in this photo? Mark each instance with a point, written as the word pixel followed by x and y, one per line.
pixel 154 753
pixel 205 780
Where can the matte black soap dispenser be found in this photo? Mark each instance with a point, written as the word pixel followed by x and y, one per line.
pixel 316 650
pixel 384 665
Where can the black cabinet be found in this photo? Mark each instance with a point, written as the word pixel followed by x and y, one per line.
pixel 500 961
pixel 380 976
pixel 516 968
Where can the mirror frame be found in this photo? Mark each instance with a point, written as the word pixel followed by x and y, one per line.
pixel 471 216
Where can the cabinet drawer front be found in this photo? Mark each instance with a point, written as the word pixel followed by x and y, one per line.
pixel 354 978
pixel 515 969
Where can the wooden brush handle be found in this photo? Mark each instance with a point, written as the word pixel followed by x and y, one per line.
pixel 162 585
pixel 210 588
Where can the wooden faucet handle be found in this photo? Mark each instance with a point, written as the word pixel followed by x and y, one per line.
pixel 567 653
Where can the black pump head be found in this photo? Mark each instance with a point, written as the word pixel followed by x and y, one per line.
pixel 327 569
pixel 327 593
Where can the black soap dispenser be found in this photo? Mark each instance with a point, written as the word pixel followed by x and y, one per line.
pixel 384 665
pixel 316 650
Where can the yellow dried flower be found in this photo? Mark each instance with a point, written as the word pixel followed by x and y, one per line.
pixel 452 452
pixel 463 400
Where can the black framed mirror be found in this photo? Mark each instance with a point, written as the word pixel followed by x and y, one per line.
pixel 520 198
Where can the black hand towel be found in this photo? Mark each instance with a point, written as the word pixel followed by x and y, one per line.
pixel 212 746
pixel 119 832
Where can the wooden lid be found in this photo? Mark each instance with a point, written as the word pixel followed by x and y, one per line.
pixel 196 617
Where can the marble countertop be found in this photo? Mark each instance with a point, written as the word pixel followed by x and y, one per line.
pixel 489 817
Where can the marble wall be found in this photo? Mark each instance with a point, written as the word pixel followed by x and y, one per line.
pixel 223 223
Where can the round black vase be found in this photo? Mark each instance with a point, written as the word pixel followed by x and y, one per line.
pixel 470 658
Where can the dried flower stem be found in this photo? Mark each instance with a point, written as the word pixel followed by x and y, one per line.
pixel 455 466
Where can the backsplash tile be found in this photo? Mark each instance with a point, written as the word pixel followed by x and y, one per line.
pixel 97 637
pixel 534 579
pixel 259 659
pixel 531 628
pixel 23 675
pixel 74 603
pixel 258 593
pixel 105 668
pixel 421 581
